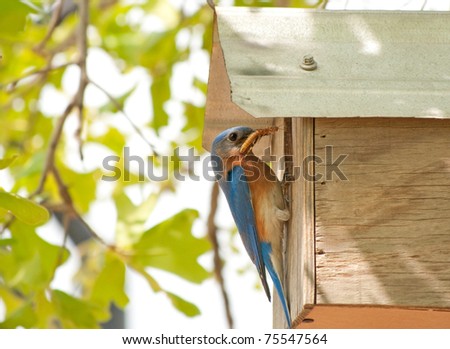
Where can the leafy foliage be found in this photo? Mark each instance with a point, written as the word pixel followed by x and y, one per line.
pixel 56 115
pixel 170 246
pixel 38 57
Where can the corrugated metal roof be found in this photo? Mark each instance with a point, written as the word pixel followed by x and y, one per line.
pixel 369 63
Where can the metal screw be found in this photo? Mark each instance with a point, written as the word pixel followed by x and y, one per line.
pixel 308 63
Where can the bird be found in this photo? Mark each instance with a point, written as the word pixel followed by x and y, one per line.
pixel 256 202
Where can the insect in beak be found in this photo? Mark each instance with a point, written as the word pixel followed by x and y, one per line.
pixel 254 137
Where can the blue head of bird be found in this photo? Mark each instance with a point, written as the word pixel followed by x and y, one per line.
pixel 227 146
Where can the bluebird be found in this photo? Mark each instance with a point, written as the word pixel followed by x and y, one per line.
pixel 256 202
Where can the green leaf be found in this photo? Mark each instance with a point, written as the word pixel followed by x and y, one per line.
pixel 131 213
pixel 73 312
pixel 187 308
pixel 30 263
pixel 151 281
pixel 33 166
pixel 4 163
pixel 113 139
pixel 160 90
pixel 27 170
pixel 23 209
pixel 171 246
pixel 23 316
pixel 131 218
pixel 109 285
pixel 6 242
pixel 16 13
pixel 101 279
pixel 45 311
pixel 19 311
pixel 182 305
pixel 81 186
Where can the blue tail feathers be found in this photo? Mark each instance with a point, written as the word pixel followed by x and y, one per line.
pixel 266 250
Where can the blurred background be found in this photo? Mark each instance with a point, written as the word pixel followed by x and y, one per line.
pixel 103 222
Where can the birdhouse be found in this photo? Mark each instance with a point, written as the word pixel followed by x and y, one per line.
pixel 362 101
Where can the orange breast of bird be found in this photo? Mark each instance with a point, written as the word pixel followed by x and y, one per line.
pixel 264 188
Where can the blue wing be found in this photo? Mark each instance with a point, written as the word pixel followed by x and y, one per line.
pixel 237 192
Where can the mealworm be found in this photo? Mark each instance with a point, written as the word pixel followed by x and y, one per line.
pixel 255 136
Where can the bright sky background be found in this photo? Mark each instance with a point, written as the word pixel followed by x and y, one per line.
pixel 147 310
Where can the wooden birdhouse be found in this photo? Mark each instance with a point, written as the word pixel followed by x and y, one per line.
pixel 362 100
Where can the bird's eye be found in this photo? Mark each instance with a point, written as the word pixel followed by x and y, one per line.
pixel 232 136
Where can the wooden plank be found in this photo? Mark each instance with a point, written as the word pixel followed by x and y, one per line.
pixel 278 149
pixel 383 235
pixel 221 113
pixel 300 236
pixel 368 317
pixel 369 63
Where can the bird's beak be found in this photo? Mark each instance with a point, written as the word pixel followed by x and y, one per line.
pixel 254 137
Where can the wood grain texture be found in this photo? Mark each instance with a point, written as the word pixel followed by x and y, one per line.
pixel 277 149
pixel 368 317
pixel 300 235
pixel 383 236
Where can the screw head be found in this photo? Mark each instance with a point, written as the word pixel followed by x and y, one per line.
pixel 308 63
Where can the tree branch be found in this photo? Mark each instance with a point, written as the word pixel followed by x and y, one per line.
pixel 50 157
pixel 70 208
pixel 218 265
pixel 82 43
pixel 52 26
pixel 12 84
pixel 37 83
pixel 77 100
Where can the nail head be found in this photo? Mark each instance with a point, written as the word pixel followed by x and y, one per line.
pixel 308 63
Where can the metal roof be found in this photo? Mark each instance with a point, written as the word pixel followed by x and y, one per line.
pixel 369 63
